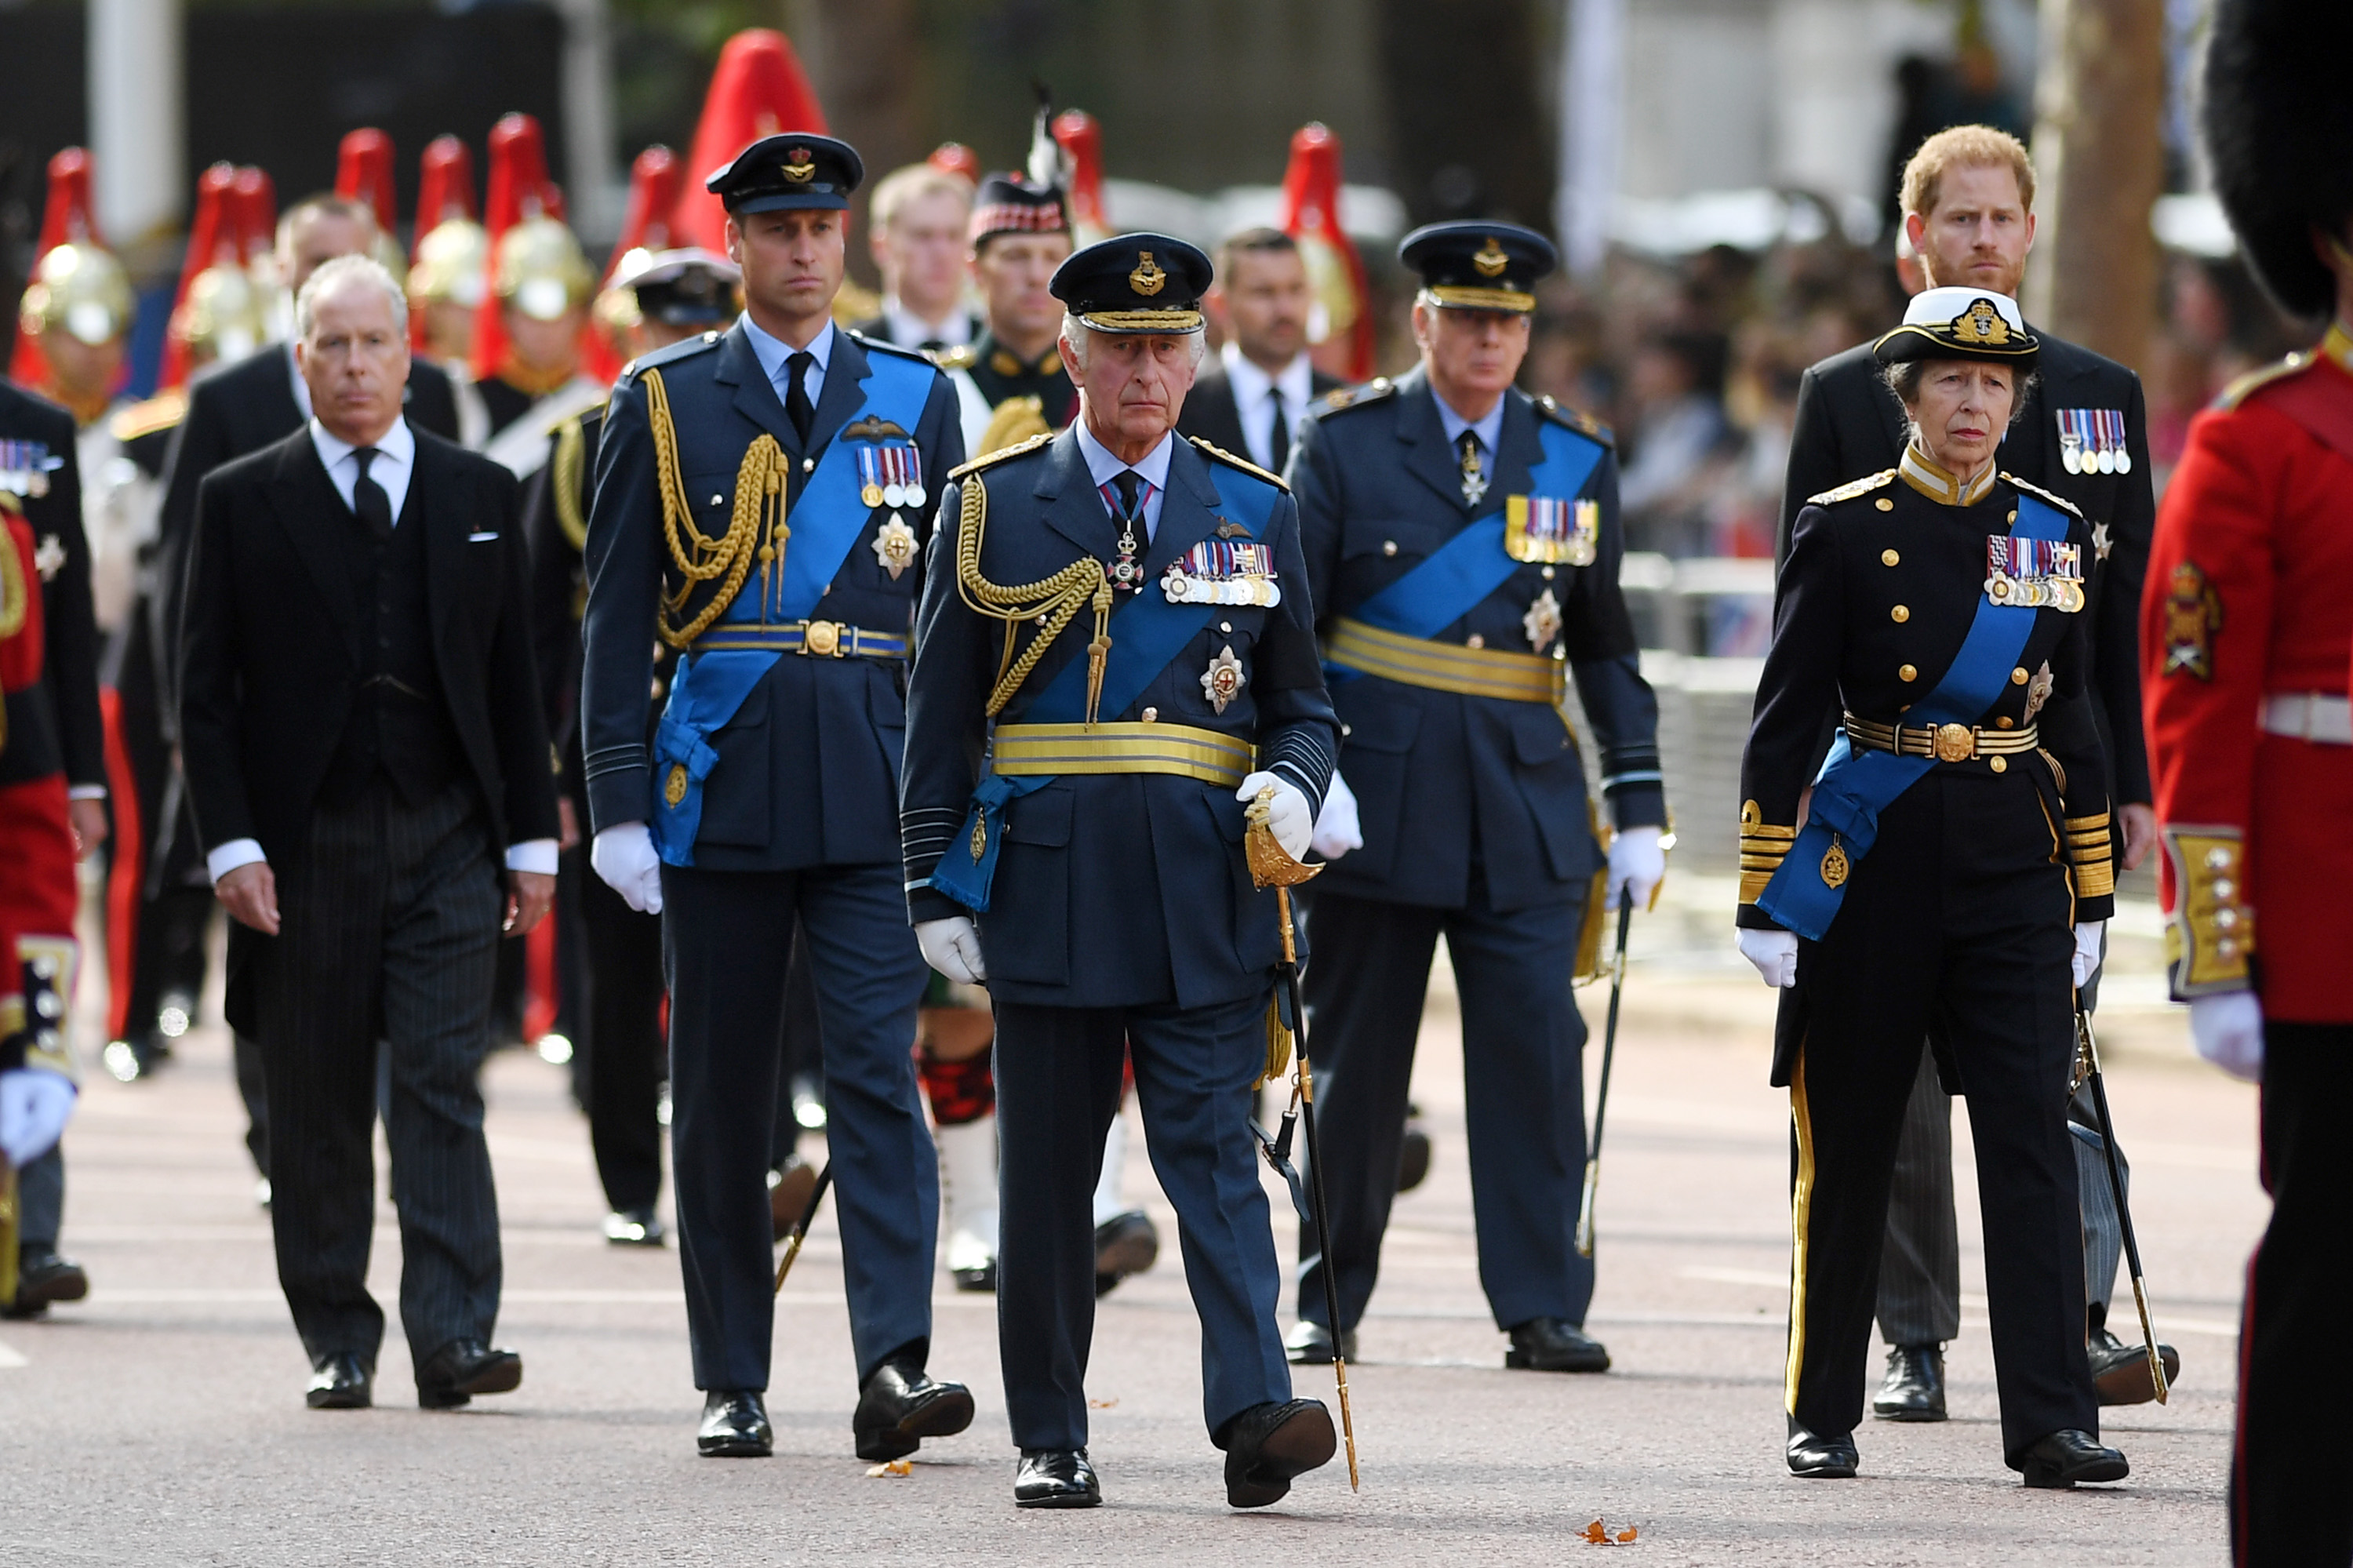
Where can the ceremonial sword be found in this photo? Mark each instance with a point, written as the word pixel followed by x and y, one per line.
pixel 1608 1054
pixel 2088 1057
pixel 801 1225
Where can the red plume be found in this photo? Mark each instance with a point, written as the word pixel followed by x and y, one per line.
pixel 445 187
pixel 654 182
pixel 1081 138
pixel 213 241
pixel 758 90
pixel 363 174
pixel 1310 214
pixel 254 201
pixel 955 158
pixel 68 219
pixel 519 189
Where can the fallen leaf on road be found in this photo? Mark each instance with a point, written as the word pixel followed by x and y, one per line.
pixel 1103 1405
pixel 1594 1534
pixel 1598 1534
pixel 895 1468
pixel 1626 1535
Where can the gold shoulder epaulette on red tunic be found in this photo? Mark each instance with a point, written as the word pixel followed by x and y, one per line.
pixel 2091 850
pixel 2211 931
pixel 1848 492
pixel 2255 380
pixel 1762 848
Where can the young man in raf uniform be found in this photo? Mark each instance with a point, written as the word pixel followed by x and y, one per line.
pixel 1118 654
pixel 765 793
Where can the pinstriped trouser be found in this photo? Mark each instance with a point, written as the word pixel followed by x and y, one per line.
pixel 390 929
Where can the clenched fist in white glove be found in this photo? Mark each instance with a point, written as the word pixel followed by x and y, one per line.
pixel 623 855
pixel 34 1104
pixel 1638 860
pixel 2087 950
pixel 1287 817
pixel 2228 1030
pixel 1337 831
pixel 953 947
pixel 1775 954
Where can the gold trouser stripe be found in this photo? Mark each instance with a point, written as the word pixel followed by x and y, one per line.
pixel 1443 666
pixel 1059 748
pixel 1801 1203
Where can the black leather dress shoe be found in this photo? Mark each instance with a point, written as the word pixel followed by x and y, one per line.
pixel 1413 1151
pixel 461 1368
pixel 1819 1458
pixel 901 1405
pixel 339 1382
pixel 981 1281
pixel 1124 1245
pixel 1268 1443
pixel 635 1227
pixel 1055 1477
pixel 734 1427
pixel 1913 1388
pixel 1309 1344
pixel 1547 1344
pixel 43 1278
pixel 2120 1372
pixel 2060 1460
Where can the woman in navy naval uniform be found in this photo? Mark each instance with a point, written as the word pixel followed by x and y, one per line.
pixel 1964 814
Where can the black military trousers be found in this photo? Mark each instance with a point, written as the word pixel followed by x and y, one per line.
pixel 725 934
pixel 1523 1055
pixel 1956 927
pixel 1058 1073
pixel 2285 1508
pixel 623 1042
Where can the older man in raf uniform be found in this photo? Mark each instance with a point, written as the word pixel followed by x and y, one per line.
pixel 765 792
pixel 1464 546
pixel 1153 669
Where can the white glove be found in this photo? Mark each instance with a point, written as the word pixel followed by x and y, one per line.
pixel 953 947
pixel 623 855
pixel 2228 1030
pixel 2087 950
pixel 1775 954
pixel 1636 860
pixel 1287 815
pixel 1336 831
pixel 34 1104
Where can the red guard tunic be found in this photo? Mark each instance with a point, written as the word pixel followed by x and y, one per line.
pixel 37 849
pixel 2246 635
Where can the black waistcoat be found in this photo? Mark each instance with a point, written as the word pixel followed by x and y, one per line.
pixel 399 723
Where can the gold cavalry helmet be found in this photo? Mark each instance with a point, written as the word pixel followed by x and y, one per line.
pixel 541 270
pixel 452 265
pixel 83 289
pixel 224 314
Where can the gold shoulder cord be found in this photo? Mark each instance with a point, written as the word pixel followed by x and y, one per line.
pixel 1053 602
pixel 760 492
pixel 570 460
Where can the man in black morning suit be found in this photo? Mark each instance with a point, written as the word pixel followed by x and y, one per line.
pixel 768 791
pixel 1466 789
pixel 365 751
pixel 1969 200
pixel 1174 678
pixel 1261 300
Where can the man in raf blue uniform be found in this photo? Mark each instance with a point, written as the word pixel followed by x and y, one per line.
pixel 1464 542
pixel 766 792
pixel 1117 653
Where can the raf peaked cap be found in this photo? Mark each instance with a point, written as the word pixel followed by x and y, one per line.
pixel 1479 266
pixel 1135 282
pixel 683 287
pixel 1960 323
pixel 794 169
pixel 1009 203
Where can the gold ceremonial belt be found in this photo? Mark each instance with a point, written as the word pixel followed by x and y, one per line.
pixel 1056 749
pixel 1443 666
pixel 812 639
pixel 1946 743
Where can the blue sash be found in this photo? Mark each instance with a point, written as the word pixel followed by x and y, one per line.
pixel 826 521
pixel 1474 563
pixel 1854 787
pixel 1146 637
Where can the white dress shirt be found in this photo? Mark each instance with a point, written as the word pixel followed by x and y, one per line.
pixel 775 358
pixel 1488 430
pixel 1256 394
pixel 909 329
pixel 394 462
pixel 1103 468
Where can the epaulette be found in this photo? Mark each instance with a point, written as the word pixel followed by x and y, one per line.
pixel 686 348
pixel 2039 493
pixel 1577 419
pixel 2254 381
pixel 1863 486
pixel 1243 463
pixel 160 412
pixel 960 357
pixel 1372 391
pixel 992 458
pixel 875 345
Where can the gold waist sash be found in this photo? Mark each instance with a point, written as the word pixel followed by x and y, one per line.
pixel 1180 749
pixel 1443 666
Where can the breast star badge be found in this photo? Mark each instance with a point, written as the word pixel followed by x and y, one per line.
pixel 2102 540
pixel 1543 621
pixel 50 557
pixel 894 547
pixel 2039 690
pixel 1223 681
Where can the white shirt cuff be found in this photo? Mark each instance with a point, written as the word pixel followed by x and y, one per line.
pixel 86 792
pixel 532 854
pixel 232 854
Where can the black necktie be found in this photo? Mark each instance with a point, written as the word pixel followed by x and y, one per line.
pixel 368 499
pixel 1130 485
pixel 796 402
pixel 1277 435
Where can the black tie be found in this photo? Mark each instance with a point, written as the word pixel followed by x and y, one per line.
pixel 1277 435
pixel 796 402
pixel 1130 485
pixel 368 499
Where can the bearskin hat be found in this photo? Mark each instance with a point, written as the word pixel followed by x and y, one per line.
pixel 2279 126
